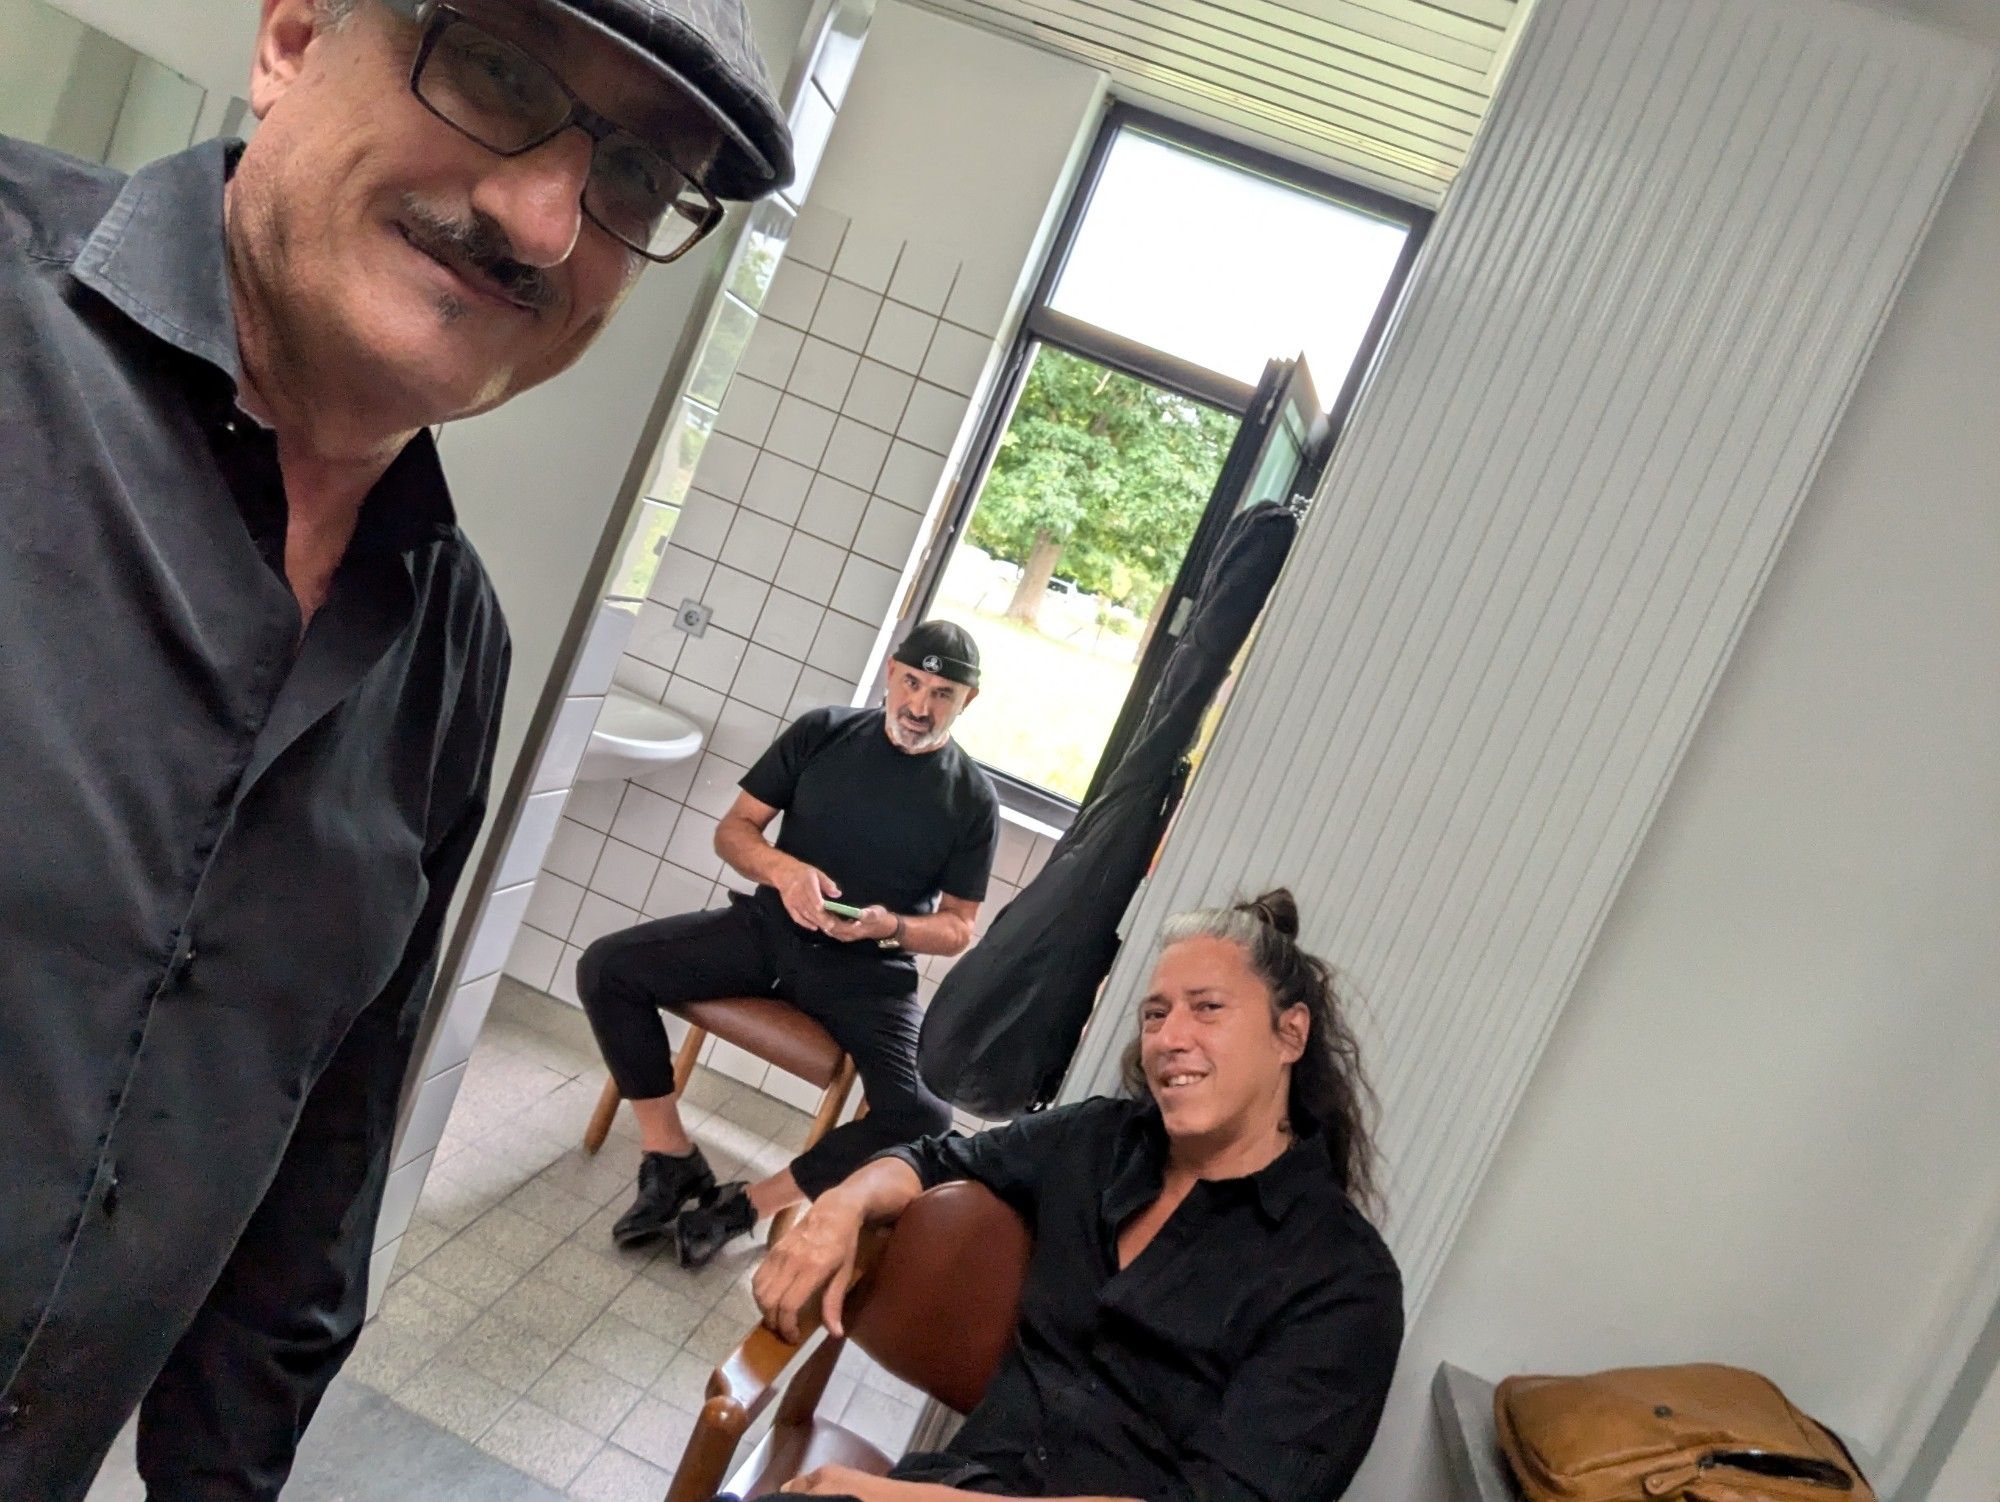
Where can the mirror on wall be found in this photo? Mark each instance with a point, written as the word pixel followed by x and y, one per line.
pixel 64 83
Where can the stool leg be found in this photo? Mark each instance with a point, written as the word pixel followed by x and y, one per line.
pixel 601 1118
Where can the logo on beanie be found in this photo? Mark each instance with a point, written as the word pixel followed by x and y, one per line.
pixel 933 663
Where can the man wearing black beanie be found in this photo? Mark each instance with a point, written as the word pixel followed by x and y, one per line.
pixel 888 838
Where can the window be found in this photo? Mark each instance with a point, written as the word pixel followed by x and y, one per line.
pixel 1183 269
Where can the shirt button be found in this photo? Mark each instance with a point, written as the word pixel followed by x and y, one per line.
pixel 11 1411
pixel 180 969
pixel 111 1194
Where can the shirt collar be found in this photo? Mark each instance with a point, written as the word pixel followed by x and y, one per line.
pixel 159 256
pixel 1276 1187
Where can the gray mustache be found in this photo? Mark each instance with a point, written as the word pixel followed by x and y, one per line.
pixel 482 244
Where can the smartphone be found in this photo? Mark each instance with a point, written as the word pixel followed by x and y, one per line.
pixel 841 910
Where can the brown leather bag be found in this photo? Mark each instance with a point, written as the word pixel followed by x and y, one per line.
pixel 1699 1433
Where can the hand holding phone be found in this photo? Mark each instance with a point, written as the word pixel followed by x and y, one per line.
pixel 840 909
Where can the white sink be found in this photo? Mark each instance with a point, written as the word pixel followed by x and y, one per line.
pixel 635 736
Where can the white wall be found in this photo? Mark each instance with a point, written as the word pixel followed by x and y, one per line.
pixel 1972 1474
pixel 1765 1129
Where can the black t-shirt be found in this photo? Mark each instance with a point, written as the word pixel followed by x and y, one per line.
pixel 888 827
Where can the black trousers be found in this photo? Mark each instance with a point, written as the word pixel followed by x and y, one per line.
pixel 864 996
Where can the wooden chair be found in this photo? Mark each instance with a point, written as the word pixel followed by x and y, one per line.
pixel 775 1032
pixel 935 1304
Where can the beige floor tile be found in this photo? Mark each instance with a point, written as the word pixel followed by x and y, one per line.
pixel 541 1308
pixel 385 1358
pixel 501 1351
pixel 655 1431
pixel 768 1117
pixel 706 1286
pixel 545 1445
pixel 547 1205
pixel 474 1275
pixel 719 1334
pixel 586 1273
pixel 685 1382
pixel 424 1309
pixel 624 1350
pixel 664 1312
pixel 526 1148
pixel 725 1140
pixel 420 1238
pixel 616 1475
pixel 452 1398
pixel 880 1419
pixel 511 1237
pixel 585 1395
pixel 598 1179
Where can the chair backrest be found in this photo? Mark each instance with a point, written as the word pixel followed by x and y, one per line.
pixel 939 1305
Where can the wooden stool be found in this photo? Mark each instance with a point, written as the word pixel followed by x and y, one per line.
pixel 775 1032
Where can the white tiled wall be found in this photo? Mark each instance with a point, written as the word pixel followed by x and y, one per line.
pixel 809 509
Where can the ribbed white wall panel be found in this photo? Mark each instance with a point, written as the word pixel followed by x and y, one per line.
pixel 1622 354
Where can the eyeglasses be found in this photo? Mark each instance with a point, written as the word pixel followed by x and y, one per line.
pixel 493 92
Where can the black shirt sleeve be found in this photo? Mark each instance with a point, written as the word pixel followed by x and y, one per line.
pixel 775 777
pixel 971 863
pixel 1014 1160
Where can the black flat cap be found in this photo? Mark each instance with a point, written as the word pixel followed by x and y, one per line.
pixel 942 647
pixel 705 45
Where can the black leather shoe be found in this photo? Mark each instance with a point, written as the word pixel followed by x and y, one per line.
pixel 666 1185
pixel 722 1216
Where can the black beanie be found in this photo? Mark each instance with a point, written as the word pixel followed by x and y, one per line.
pixel 942 647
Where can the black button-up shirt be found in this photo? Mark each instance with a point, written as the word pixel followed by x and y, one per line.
pixel 228 848
pixel 1245 1353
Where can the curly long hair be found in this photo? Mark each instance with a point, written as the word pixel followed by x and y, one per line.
pixel 1330 1095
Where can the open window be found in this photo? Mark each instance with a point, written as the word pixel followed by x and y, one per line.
pixel 1198 300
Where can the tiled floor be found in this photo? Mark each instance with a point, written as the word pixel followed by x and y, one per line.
pixel 514 1324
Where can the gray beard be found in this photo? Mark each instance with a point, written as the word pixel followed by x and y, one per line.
pixel 921 746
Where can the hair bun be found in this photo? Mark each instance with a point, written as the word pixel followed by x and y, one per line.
pixel 1278 908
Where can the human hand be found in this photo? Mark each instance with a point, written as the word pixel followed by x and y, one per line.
pixel 875 922
pixel 816 1255
pixel 804 889
pixel 845 1481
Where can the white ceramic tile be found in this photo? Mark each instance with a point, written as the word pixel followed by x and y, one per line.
pixel 712 658
pixel 924 274
pixel 637 676
pixel 464 1015
pixel 645 819
pixel 811 567
pixel 428 1115
pixel 957 358
pixel 494 936
pixel 755 544
pixel 603 645
pixel 737 599
pixel 1010 856
pixel 868 257
pixel 658 637
pixel 676 777
pixel 599 916
pixel 833 509
pixel 799 431
pixel 794 293
pixel 399 1195
pixel 792 1090
pixel 878 395
pixel 693 846
pixel 725 466
pixel 534 957
pixel 980 297
pixel 563 988
pixel 676 891
pixel 933 417
pixel 743 733
pixel 816 237
pixel 738 1064
pixel 680 576
pixel 855 453
pixel 902 337
pixel 766 679
pixel 788 624
pixel 553 907
pixel 865 589
pixel 846 314
pixel 823 373
pixel 715 785
pixel 769 355
pixel 624 874
pixel 567 738
pixel 528 846
pixel 734 881
pixel 594 804
pixel 381 1268
pixel 573 852
pixel 842 648
pixel 910 476
pixel 698 703
pixel 816 690
pixel 888 533
pixel 747 410
pixel 703 524
pixel 777 487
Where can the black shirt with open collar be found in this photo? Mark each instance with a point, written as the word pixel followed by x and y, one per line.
pixel 230 846
pixel 1245 1354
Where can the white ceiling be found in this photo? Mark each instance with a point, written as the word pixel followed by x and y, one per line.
pixel 1384 92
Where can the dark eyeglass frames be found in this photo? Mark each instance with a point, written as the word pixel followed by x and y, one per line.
pixel 490 90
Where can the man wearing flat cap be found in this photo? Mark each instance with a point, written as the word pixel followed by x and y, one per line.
pixel 250 669
pixel 884 816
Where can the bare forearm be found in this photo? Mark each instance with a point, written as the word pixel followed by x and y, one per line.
pixel 743 846
pixel 936 933
pixel 876 1192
